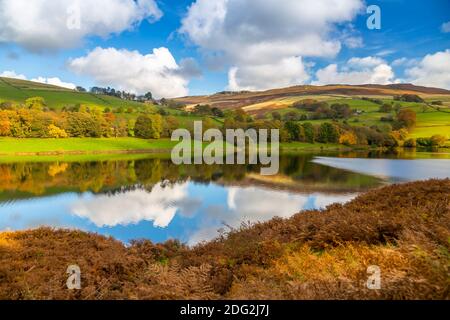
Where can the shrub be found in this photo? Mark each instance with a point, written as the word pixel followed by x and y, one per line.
pixel 438 141
pixel 56 132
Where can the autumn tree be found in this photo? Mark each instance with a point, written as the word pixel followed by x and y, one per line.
pixel 406 118
pixel 5 124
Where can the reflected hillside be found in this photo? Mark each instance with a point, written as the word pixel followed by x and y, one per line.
pixel 297 174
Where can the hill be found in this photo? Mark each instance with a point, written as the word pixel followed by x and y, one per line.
pixel 245 99
pixel 431 119
pixel 15 90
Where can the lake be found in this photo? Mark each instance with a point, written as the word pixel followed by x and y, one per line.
pixel 137 196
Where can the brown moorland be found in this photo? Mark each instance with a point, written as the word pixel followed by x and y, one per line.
pixel 404 229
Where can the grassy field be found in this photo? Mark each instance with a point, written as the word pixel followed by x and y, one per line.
pixel 11 146
pixel 402 229
pixel 55 97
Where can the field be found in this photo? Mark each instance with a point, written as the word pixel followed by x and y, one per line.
pixel 11 146
pixel 430 121
pixel 55 97
pixel 402 229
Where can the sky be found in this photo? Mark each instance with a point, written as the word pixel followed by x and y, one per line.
pixel 175 48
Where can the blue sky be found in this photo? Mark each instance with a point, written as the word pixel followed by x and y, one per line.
pixel 211 46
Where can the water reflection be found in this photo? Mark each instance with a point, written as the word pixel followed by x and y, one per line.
pixel 403 170
pixel 151 198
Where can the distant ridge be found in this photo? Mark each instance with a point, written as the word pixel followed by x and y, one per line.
pixel 228 99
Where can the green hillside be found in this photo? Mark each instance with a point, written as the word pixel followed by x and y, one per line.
pixel 15 90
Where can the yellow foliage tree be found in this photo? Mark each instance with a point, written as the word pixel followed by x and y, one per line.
pixel 56 132
pixel 348 138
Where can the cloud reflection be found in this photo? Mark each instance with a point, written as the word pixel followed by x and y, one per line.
pixel 159 205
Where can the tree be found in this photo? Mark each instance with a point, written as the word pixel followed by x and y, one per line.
pixel 310 134
pixel 148 96
pixel 35 103
pixel 170 125
pixel 348 138
pixel 406 118
pixel 342 111
pixel 80 89
pixel 148 126
pixel 328 133
pixel 82 124
pixel 5 124
pixel 296 131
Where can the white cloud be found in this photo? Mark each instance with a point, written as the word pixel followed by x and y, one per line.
pixel 260 77
pixel 52 80
pixel 133 207
pixel 13 75
pixel 433 70
pixel 255 35
pixel 55 81
pixel 445 27
pixel 367 62
pixel 157 72
pixel 47 24
pixel 368 70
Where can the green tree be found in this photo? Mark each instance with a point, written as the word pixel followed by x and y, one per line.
pixel 35 103
pixel 148 126
pixel 328 133
pixel 310 135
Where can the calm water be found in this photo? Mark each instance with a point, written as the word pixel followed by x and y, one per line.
pixel 151 198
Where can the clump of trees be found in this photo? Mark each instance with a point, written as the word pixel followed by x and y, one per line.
pixel 322 110
pixel 409 98
pixel 34 120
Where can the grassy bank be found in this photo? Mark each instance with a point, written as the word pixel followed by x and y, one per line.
pixel 11 146
pixel 403 229
pixel 74 146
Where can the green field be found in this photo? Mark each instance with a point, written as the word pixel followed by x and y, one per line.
pixel 430 121
pixel 55 97
pixel 11 146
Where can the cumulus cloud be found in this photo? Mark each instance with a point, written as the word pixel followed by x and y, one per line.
pixel 445 27
pixel 433 70
pixel 13 75
pixel 368 70
pixel 239 31
pixel 52 80
pixel 55 81
pixel 48 25
pixel 157 72
pixel 259 77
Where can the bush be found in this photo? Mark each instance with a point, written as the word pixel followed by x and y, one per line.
pixel 438 141
pixel 55 132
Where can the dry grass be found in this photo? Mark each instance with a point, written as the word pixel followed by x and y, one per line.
pixel 403 229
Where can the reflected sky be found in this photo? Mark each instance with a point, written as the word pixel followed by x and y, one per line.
pixel 187 211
